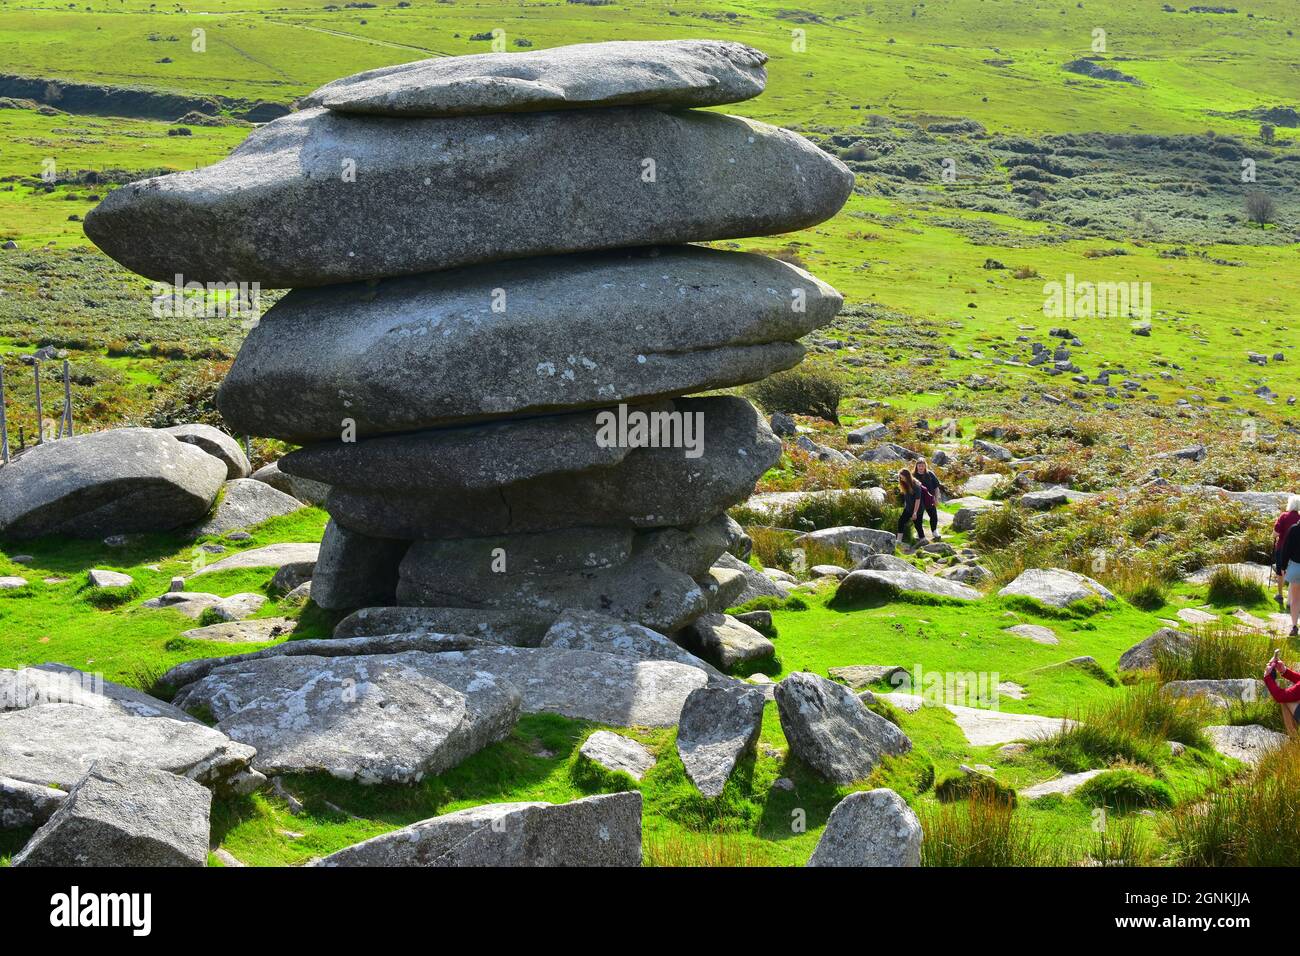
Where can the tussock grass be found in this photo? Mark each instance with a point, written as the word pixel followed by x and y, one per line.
pixel 1227 587
pixel 1248 824
pixel 983 831
pixel 682 848
pixel 1215 651
pixel 960 785
pixel 1126 788
pixel 1122 843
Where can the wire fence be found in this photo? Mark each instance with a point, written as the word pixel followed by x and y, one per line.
pixel 46 429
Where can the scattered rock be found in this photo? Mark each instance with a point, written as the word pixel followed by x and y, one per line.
pixel 216 443
pixel 830 731
pixel 617 753
pixel 869 585
pixel 870 828
pixel 860 676
pixel 1055 587
pixel 719 726
pixel 245 503
pixel 1246 743
pixel 101 578
pixel 726 641
pixel 1035 632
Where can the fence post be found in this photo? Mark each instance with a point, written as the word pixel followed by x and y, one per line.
pixel 67 401
pixel 40 412
pixel 4 427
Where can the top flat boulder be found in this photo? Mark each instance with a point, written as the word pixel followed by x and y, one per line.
pixel 628 73
pixel 319 197
pixel 111 482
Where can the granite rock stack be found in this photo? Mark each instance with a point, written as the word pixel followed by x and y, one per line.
pixel 496 317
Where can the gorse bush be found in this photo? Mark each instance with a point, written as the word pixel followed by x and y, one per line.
pixel 1226 586
pixel 812 388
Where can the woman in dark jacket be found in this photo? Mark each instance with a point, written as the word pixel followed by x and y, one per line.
pixel 913 494
pixel 931 483
pixel 1288 559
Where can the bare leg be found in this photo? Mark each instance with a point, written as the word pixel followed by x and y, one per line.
pixel 1295 606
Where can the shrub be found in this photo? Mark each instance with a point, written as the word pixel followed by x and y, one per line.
pixel 1247 824
pixel 107 598
pixel 1000 528
pixel 982 831
pixel 1228 587
pixel 1126 788
pixel 811 388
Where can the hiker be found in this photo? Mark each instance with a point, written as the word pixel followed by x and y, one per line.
pixel 914 495
pixel 1288 559
pixel 1288 698
pixel 930 480
pixel 1285 521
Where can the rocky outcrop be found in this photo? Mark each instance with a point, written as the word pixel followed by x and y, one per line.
pixel 828 728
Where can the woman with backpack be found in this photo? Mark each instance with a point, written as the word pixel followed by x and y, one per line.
pixel 930 481
pixel 914 496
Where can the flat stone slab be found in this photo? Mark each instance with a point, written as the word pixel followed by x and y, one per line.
pixel 517 626
pixel 374 719
pixel 1261 574
pixel 425 337
pixel 858 676
pixel 216 443
pixel 677 73
pixel 243 632
pixel 1192 615
pixel 1246 743
pixel 981 486
pixel 101 578
pixel 188 672
pixel 303 223
pixel 194 603
pixel 604 830
pixel 591 631
pixel 269 556
pixel 1035 632
pixel 726 641
pixel 1142 655
pixel 1220 692
pixel 55 744
pixel 986 727
pixel 1055 587
pixel 24 804
pixel 1064 786
pixel 60 684
pixel 617 753
pixel 112 482
pixel 119 815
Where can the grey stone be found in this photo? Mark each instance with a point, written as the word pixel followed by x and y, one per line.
pixel 869 540
pixel 105 483
pixel 517 626
pixel 24 804
pixel 860 676
pixel 604 830
pixel 277 211
pixel 243 632
pixel 757 585
pixel 982 485
pixel 648 488
pixel 760 621
pixel 291 575
pixel 770 503
pixel 1142 655
pixel 1055 587
pixel 719 726
pixel 991 450
pixel 55 744
pixel 1221 692
pixel 125 815
pixel 305 490
pixel 677 73
pixel 867 433
pixel 11 582
pixel 101 578
pixel 617 754
pixel 647 577
pixel 591 631
pixel 406 354
pixel 193 603
pixel 884 562
pixel 217 444
pixel 829 730
pixel 723 588
pixel 245 503
pixel 60 684
pixel 725 641
pixel 188 672
pixel 1060 786
pixel 870 828
pixel 387 718
pixel 867 585
pixel 269 556
pixel 1245 742
pixel 1035 632
pixel 355 570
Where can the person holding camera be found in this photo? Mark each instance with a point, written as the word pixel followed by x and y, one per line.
pixel 1287 697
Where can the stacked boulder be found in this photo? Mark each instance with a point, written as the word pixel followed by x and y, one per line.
pixel 495 314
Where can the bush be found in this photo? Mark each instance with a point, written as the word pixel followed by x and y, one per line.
pixel 811 388
pixel 1247 824
pixel 983 831
pixel 1228 587
pixel 1126 788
